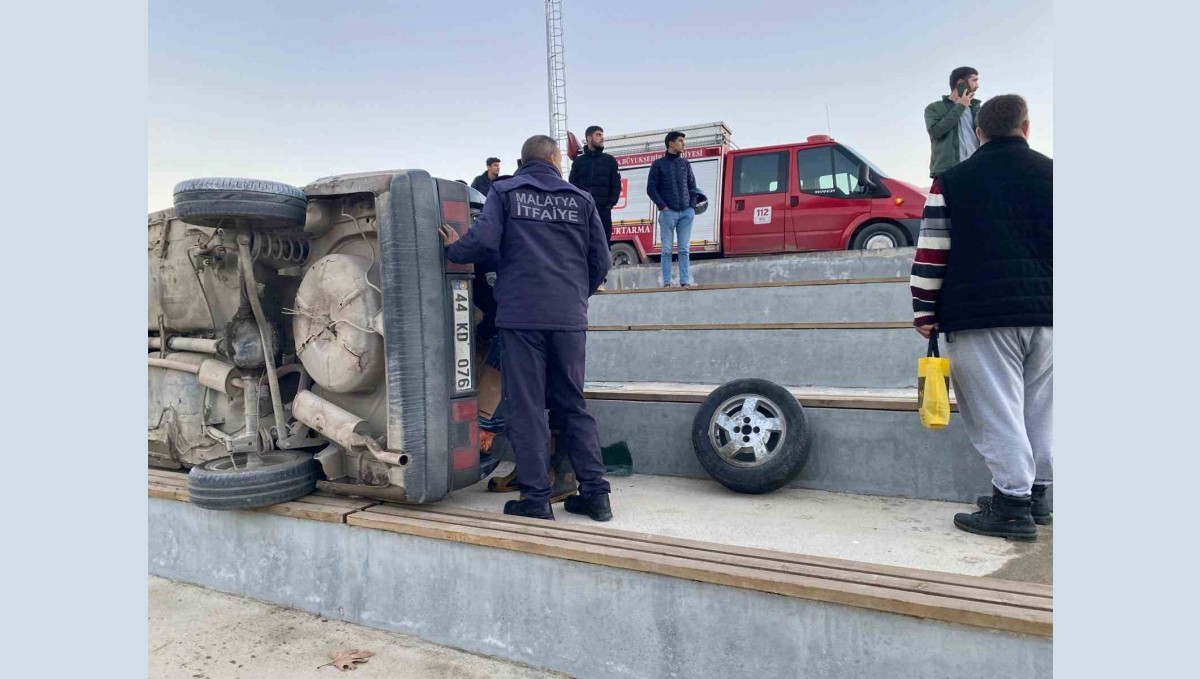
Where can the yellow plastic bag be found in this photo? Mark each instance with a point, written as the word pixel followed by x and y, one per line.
pixel 933 387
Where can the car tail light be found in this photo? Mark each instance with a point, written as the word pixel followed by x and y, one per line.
pixel 464 433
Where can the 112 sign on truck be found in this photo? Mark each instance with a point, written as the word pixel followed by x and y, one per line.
pixel 817 194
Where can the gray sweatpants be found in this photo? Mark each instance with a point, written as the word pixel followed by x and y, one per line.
pixel 1004 383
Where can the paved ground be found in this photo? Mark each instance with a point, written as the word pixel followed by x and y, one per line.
pixel 198 633
pixel 885 530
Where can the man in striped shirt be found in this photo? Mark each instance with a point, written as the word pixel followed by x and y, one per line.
pixel 983 275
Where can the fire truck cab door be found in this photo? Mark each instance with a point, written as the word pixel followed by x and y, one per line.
pixel 757 202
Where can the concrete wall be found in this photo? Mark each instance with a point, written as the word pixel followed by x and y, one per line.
pixel 884 359
pixel 854 451
pixel 791 267
pixel 795 304
pixel 582 619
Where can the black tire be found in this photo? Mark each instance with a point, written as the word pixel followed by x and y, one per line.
pixel 876 232
pixel 217 485
pixel 738 470
pixel 623 254
pixel 247 203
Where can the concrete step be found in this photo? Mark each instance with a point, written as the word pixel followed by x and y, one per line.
pixel 773 268
pixel 860 300
pixel 830 356
pixel 853 450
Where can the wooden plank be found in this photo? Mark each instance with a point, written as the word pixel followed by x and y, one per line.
pixel 922 605
pixel 966 593
pixel 836 325
pixel 300 509
pixel 761 284
pixel 169 492
pixel 1032 589
pixel 163 476
pixel 904 400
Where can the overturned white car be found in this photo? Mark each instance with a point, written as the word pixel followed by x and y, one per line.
pixel 315 337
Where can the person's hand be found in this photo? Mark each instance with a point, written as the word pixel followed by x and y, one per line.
pixel 963 99
pixel 927 330
pixel 449 235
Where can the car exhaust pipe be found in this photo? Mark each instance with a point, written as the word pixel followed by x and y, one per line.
pixel 341 426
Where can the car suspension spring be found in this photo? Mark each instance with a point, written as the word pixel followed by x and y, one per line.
pixel 278 250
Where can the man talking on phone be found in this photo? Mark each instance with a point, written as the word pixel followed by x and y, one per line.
pixel 951 122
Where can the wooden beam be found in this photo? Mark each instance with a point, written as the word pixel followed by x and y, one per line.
pixel 835 325
pixel 904 400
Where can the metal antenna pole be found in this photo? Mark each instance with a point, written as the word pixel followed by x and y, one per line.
pixel 556 76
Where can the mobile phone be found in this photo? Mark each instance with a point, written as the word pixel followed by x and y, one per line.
pixel 961 87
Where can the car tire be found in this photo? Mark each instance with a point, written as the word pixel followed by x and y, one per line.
pixel 623 254
pixel 878 236
pixel 246 203
pixel 230 483
pixel 774 433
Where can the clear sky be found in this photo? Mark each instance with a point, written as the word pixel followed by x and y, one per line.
pixel 292 91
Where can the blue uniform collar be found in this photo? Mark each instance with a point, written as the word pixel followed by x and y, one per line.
pixel 542 167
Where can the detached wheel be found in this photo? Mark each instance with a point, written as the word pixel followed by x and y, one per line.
pixel 751 435
pixel 623 254
pixel 250 203
pixel 879 236
pixel 245 481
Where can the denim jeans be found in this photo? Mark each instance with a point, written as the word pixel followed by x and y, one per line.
pixel 675 225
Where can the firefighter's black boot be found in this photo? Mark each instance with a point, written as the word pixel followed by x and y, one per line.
pixel 1041 510
pixel 595 506
pixel 1004 517
pixel 529 508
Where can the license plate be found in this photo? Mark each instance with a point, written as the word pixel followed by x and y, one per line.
pixel 460 302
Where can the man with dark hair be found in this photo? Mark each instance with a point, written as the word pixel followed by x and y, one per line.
pixel 596 172
pixel 552 256
pixel 950 122
pixel 987 282
pixel 672 186
pixel 483 183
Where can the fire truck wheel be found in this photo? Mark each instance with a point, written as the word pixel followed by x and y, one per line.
pixel 878 236
pixel 751 435
pixel 623 254
pixel 242 481
pixel 247 203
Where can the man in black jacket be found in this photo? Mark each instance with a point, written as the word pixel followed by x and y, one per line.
pixel 483 183
pixel 987 282
pixel 596 172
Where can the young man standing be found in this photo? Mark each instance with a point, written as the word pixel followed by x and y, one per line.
pixel 596 172
pixel 483 183
pixel 984 275
pixel 672 186
pixel 950 122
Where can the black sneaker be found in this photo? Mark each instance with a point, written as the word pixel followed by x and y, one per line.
pixel 595 506
pixel 1004 517
pixel 529 508
pixel 1040 509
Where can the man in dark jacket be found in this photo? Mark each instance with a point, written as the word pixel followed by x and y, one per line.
pixel 672 186
pixel 483 183
pixel 987 282
pixel 596 172
pixel 552 257
pixel 950 122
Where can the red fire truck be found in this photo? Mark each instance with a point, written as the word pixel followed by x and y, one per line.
pixel 818 194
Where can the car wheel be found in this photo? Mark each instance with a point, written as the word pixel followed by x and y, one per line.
pixel 623 254
pixel 246 480
pixel 879 236
pixel 751 435
pixel 247 203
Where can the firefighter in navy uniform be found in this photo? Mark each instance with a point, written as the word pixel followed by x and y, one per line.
pixel 552 255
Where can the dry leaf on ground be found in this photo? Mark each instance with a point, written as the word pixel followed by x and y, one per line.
pixel 345 660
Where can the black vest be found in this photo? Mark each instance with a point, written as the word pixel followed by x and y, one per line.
pixel 1001 267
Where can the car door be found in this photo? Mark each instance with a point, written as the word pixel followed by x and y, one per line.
pixel 828 199
pixel 758 202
